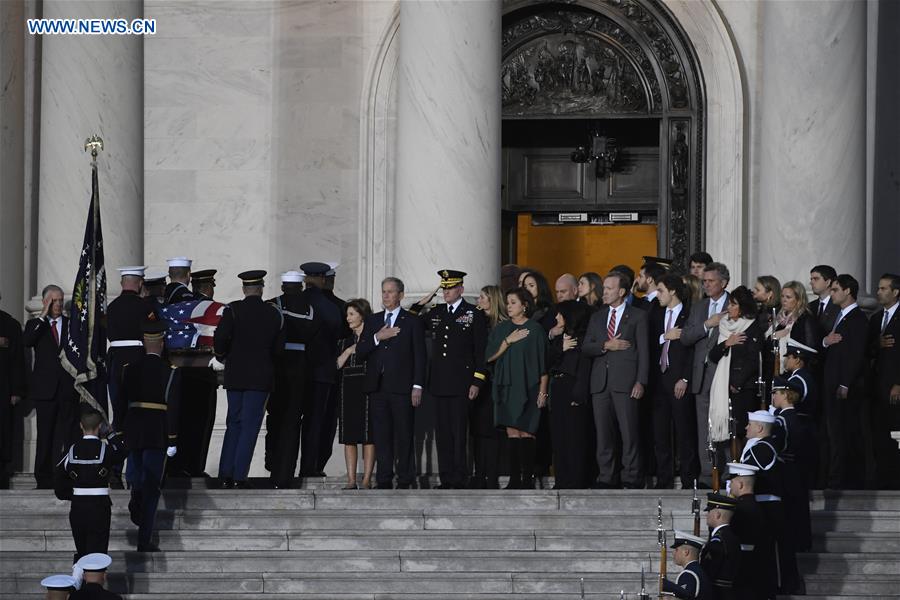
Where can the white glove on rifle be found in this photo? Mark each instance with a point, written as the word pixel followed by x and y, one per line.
pixel 78 576
pixel 171 451
pixel 215 365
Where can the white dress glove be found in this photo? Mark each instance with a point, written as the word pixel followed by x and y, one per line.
pixel 215 365
pixel 78 575
pixel 171 451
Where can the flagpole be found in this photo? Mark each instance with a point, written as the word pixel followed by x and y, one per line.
pixel 95 145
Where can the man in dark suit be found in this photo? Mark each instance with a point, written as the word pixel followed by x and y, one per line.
pixel 884 382
pixel 844 389
pixel 457 373
pixel 50 386
pixel 393 345
pixel 12 386
pixel 701 333
pixel 821 278
pixel 248 340
pixel 672 372
pixel 616 339
pixel 322 372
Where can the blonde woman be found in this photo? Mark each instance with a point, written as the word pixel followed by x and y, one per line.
pixel 794 321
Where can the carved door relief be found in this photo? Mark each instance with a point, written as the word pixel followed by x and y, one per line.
pixel 615 59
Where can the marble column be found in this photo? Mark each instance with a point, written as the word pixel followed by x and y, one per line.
pixel 811 198
pixel 12 157
pixel 447 206
pixel 90 84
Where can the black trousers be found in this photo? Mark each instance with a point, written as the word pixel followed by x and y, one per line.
pixel 843 423
pixel 149 465
pixel 283 422
pixel 451 431
pixel 57 429
pixel 570 427
pixel 669 410
pixel 89 517
pixel 329 429
pixel 392 419
pixel 196 418
pixel 313 428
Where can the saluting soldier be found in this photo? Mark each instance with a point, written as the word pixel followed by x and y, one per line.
pixel 150 386
pixel 720 558
pixel 286 405
pixel 179 278
pixel 248 340
pixel 692 583
pixel 757 578
pixel 457 373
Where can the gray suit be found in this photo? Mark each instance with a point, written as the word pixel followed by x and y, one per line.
pixel 613 375
pixel 702 372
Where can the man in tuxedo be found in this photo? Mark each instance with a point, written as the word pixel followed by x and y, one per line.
pixel 50 386
pixel 616 339
pixel 701 333
pixel 884 381
pixel 12 386
pixel 821 278
pixel 843 389
pixel 393 345
pixel 672 372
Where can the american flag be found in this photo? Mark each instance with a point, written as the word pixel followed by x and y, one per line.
pixel 84 357
pixel 191 324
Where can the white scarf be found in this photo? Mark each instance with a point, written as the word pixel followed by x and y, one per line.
pixel 720 392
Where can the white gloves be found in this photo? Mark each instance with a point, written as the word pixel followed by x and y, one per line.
pixel 78 576
pixel 171 451
pixel 215 365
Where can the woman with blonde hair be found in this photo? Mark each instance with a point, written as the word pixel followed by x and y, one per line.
pixel 694 287
pixel 794 321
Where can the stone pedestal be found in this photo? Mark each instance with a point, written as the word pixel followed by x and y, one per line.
pixel 446 212
pixel 90 84
pixel 811 127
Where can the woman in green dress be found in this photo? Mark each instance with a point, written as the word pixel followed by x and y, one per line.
pixel 516 348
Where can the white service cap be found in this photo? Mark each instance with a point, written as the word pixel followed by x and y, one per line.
pixel 179 261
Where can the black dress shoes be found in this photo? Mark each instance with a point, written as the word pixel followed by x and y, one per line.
pixel 243 485
pixel 227 483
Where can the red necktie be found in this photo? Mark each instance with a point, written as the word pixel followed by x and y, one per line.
pixel 611 328
pixel 55 332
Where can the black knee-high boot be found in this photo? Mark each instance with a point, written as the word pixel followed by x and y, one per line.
pixel 528 449
pixel 515 463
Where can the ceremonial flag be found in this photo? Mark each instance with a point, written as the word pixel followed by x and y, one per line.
pixel 84 357
pixel 191 324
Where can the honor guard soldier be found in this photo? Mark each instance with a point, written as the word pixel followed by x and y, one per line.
pixel 457 373
pixel 59 587
pixel 155 287
pixel 150 386
pixel 720 558
pixel 692 582
pixel 757 578
pixel 797 453
pixel 331 416
pixel 203 284
pixel 321 371
pixel 93 568
pixel 286 404
pixel 13 375
pixel 248 340
pixel 82 476
pixel 179 278
pixel 798 359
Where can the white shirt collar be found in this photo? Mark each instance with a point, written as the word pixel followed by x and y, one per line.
pixel 676 310
pixel 890 311
pixel 717 529
pixel 846 311
pixel 89 437
pixel 456 304
pixel 650 296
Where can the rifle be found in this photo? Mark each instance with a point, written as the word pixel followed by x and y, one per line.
pixel 661 540
pixel 732 433
pixel 695 510
pixel 643 594
pixel 711 454
pixel 761 385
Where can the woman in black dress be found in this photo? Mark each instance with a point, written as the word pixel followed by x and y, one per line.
pixel 353 402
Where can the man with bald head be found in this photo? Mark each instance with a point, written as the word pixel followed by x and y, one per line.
pixel 566 287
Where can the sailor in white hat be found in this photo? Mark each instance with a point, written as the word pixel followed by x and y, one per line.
pixel 692 582
pixel 59 586
pixel 94 586
pixel 179 279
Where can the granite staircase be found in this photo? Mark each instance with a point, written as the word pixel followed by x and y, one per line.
pixel 322 542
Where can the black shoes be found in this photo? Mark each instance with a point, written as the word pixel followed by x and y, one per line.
pixel 227 483
pixel 243 485
pixel 148 548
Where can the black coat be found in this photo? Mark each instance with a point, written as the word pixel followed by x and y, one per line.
pixel 744 357
pixel 692 584
pixel 681 357
pixel 247 340
pixel 827 318
pixel 845 361
pixel 93 591
pixel 177 292
pixel 151 390
pixel 810 403
pixel 13 375
pixel 884 362
pixel 720 558
pixel 126 315
pixel 47 373
pixel 397 364
pixel 321 352
pixel 807 330
pixel 457 359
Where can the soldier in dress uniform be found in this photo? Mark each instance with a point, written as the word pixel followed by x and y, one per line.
pixel 124 330
pixel 13 375
pixel 761 450
pixel 247 341
pixel 321 371
pixel 150 386
pixel 797 434
pixel 797 361
pixel 457 372
pixel 331 414
pixel 286 404
pixel 179 278
pixel 720 558
pixel 59 587
pixel 82 476
pixel 692 583
pixel 155 287
pixel 93 568
pixel 757 578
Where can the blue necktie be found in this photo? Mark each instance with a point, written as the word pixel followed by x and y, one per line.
pixel 387 319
